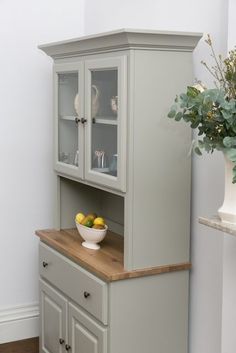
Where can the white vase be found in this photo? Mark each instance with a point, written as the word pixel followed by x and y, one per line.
pixel 227 211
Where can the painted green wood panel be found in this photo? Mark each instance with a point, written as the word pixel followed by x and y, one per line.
pixel 53 323
pixel 73 280
pixel 159 165
pixel 85 335
pixel 149 314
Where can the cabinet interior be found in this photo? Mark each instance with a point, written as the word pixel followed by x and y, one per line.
pixel 104 138
pixel 67 131
pixel 105 82
pixel 76 197
pixel 67 89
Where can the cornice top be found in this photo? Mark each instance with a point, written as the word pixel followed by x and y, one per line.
pixel 121 40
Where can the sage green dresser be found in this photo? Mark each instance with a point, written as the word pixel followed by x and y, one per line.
pixel 117 154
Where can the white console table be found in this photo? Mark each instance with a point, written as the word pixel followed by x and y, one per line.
pixel 228 337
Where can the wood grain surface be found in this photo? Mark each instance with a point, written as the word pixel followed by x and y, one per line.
pixel 106 263
pixel 30 345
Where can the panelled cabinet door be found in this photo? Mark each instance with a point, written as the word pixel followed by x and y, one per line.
pixel 85 335
pixel 53 320
pixel 105 130
pixel 69 115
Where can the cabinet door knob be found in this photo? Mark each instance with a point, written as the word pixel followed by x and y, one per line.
pixel 45 264
pixel 86 294
pixel 83 120
pixel 61 341
pixel 67 347
pixel 77 120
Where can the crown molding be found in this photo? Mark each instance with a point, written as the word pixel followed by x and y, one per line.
pixel 122 39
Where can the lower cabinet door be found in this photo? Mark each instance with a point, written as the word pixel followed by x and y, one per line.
pixel 85 334
pixel 53 311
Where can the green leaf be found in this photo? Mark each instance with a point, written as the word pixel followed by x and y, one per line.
pixel 226 114
pixel 187 117
pixel 231 153
pixel 229 142
pixel 234 176
pixel 192 92
pixel 198 151
pixel 195 124
pixel 178 116
pixel 171 114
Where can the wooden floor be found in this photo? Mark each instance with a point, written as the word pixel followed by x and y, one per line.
pixel 25 346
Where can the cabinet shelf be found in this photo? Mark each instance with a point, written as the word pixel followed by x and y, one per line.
pixel 67 117
pixel 105 120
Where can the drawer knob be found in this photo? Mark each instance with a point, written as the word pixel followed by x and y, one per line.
pixel 86 295
pixel 67 347
pixel 61 341
pixel 45 264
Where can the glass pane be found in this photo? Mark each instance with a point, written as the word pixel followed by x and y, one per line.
pixel 68 151
pixel 104 111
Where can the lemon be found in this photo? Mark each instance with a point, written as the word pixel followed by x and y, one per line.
pixel 79 217
pixel 98 226
pixel 99 221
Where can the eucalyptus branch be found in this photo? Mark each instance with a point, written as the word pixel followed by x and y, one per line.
pixel 216 61
pixel 209 69
pixel 212 111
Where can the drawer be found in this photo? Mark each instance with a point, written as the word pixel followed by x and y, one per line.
pixel 84 288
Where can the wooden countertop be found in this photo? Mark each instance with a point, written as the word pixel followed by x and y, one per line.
pixel 106 263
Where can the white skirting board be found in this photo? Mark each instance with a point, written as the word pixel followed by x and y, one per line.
pixel 18 323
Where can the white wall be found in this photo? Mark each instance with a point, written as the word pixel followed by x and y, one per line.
pixel 231 25
pixel 26 179
pixel 207 246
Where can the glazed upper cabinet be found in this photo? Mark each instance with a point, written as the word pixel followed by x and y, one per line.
pixel 90 120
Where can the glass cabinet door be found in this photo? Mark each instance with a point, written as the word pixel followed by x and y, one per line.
pixel 69 112
pixel 106 128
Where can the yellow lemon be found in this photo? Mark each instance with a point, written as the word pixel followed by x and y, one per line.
pixel 79 217
pixel 98 226
pixel 99 221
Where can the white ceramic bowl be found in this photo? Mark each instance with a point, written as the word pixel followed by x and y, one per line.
pixel 91 236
